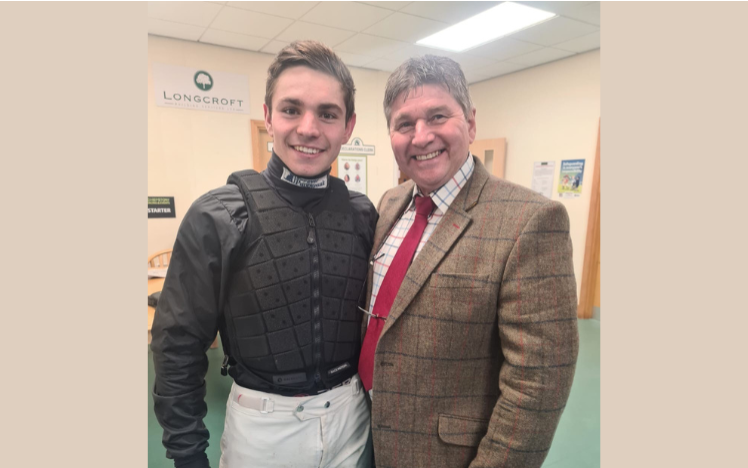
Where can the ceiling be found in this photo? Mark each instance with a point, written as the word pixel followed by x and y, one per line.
pixel 379 35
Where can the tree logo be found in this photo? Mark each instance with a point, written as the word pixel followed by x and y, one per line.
pixel 203 80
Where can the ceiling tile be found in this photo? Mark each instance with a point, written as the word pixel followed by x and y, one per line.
pixel 447 12
pixel 562 8
pixel 372 46
pixel 394 6
pixel 501 68
pixel 175 30
pixel 293 10
pixel 581 44
pixel 544 55
pixel 229 39
pixel 273 47
pixel 474 77
pixel 588 14
pixel 249 22
pixel 346 15
pixel 300 31
pixel 195 13
pixel 407 28
pixel 502 49
pixel 555 30
pixel 407 52
pixel 383 64
pixel 354 60
pixel 468 62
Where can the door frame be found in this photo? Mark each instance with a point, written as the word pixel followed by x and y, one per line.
pixel 256 126
pixel 592 244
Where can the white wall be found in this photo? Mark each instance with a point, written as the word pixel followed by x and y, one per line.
pixel 547 113
pixel 191 152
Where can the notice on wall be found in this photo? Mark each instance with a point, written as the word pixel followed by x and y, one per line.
pixel 161 207
pixel 200 89
pixel 570 178
pixel 542 177
pixel 357 146
pixel 352 169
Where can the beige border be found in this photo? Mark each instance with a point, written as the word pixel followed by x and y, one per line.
pixel 74 234
pixel 74 129
pixel 674 250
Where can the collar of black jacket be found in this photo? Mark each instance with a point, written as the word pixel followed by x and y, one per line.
pixel 279 170
pixel 302 192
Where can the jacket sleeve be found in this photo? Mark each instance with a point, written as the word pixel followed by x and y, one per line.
pixel 539 341
pixel 186 322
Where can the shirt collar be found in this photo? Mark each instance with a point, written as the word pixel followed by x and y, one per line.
pixel 444 195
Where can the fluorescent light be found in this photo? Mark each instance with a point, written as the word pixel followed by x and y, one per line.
pixel 485 27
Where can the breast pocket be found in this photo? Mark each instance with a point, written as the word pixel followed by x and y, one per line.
pixel 463 298
pixel 459 280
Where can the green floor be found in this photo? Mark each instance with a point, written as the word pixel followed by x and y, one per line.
pixel 576 445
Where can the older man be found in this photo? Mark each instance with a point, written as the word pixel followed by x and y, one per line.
pixel 472 341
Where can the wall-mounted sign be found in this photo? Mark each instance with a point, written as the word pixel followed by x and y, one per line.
pixel 542 177
pixel 205 90
pixel 352 169
pixel 357 146
pixel 161 207
pixel 570 178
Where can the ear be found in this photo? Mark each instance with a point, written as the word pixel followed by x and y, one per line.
pixel 471 126
pixel 268 119
pixel 349 128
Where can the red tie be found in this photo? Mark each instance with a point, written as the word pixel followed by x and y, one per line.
pixel 389 288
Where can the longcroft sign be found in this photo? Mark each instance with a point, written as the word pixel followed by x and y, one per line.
pixel 200 89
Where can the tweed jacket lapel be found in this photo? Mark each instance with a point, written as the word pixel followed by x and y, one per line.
pixel 450 229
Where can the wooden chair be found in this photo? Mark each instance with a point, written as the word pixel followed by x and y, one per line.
pixel 160 259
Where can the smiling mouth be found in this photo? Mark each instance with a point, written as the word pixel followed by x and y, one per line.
pixel 306 149
pixel 426 157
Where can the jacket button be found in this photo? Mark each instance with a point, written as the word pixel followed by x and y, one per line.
pixel 300 408
pixel 327 405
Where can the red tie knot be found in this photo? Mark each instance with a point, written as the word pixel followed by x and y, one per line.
pixel 424 205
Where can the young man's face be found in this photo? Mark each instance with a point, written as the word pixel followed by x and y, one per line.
pixel 307 121
pixel 430 135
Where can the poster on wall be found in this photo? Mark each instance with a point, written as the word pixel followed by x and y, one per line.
pixel 161 207
pixel 570 179
pixel 352 169
pixel 200 89
pixel 542 177
pixel 357 146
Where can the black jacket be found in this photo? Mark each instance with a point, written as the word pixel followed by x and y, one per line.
pixel 193 299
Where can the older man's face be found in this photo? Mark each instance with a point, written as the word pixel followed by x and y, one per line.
pixel 430 135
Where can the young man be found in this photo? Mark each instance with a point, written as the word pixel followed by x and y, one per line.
pixel 476 339
pixel 276 262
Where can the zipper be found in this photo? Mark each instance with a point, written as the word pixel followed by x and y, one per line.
pixel 317 323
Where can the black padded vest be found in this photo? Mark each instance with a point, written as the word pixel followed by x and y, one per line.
pixel 291 319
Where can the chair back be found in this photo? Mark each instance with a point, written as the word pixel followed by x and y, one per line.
pixel 160 259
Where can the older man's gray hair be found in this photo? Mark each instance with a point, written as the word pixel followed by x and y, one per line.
pixel 428 69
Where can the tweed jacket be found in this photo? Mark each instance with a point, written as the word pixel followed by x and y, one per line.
pixel 476 359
